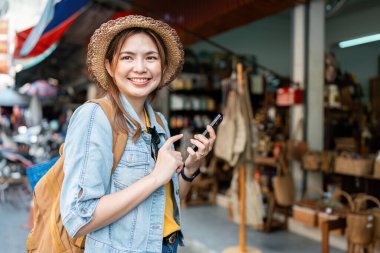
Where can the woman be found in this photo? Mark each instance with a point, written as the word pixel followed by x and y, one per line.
pixel 137 209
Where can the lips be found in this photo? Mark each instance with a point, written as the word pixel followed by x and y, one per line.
pixel 139 81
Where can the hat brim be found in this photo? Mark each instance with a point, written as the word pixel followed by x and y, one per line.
pixel 102 37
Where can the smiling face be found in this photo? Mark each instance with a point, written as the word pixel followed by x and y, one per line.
pixel 137 69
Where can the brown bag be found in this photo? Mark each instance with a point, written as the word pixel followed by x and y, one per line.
pixel 343 211
pixel 327 161
pixel 364 225
pixel 296 149
pixel 48 233
pixel 346 164
pixel 312 160
pixel 283 185
pixel 376 214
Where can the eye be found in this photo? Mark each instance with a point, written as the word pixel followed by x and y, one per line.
pixel 152 58
pixel 126 57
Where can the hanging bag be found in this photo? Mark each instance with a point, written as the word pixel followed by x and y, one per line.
pixel 296 149
pixel 312 160
pixel 283 185
pixel 240 133
pixel 224 146
pixel 253 199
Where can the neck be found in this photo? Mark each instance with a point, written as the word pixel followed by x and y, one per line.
pixel 138 106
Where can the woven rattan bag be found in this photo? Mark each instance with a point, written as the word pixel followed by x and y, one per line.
pixel 283 185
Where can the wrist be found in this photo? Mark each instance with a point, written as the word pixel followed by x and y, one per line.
pixel 155 181
pixel 189 177
pixel 190 170
pixel 191 167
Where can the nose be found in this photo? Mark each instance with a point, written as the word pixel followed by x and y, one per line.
pixel 139 66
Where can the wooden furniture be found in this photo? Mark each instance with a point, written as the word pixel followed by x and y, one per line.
pixel 204 188
pixel 271 224
pixel 328 226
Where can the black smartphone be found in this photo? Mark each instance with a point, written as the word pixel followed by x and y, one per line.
pixel 214 124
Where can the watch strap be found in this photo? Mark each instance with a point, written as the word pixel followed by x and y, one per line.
pixel 192 177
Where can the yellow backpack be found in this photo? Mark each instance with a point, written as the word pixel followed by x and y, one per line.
pixel 48 234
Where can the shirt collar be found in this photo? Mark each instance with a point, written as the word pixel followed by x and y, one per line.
pixel 131 111
pixel 152 118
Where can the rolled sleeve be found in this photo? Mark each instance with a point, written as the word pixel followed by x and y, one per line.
pixel 88 160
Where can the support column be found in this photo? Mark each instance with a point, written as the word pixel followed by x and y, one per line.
pixel 308 71
pixel 315 75
pixel 298 76
pixel 315 83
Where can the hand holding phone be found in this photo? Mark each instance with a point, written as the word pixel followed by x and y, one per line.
pixel 214 124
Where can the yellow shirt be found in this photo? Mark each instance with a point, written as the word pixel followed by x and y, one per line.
pixel 170 225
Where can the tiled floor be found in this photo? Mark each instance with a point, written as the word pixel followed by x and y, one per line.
pixel 206 228
pixel 13 215
pixel 209 227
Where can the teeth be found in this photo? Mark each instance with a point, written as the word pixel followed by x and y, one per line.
pixel 139 80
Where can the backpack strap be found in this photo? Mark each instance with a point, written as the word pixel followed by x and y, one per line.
pixel 119 139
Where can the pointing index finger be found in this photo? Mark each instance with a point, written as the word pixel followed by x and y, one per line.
pixel 169 142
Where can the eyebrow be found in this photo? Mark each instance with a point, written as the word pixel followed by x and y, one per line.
pixel 132 53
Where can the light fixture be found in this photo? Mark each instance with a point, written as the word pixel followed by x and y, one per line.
pixel 359 41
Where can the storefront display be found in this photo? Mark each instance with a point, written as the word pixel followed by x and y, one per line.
pixel 292 180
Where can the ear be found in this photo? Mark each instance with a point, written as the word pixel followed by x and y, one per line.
pixel 108 67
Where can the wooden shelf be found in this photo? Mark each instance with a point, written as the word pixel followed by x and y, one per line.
pixel 371 177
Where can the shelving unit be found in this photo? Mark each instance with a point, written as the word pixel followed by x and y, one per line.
pixel 192 103
pixel 355 184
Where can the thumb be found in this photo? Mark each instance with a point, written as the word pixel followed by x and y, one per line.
pixel 169 142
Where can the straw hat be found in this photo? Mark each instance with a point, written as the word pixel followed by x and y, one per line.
pixel 102 37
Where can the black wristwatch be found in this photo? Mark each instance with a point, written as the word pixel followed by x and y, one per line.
pixel 190 179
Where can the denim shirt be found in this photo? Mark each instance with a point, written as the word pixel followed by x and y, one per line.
pixel 88 153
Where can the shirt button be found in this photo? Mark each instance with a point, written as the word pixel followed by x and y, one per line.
pixel 177 191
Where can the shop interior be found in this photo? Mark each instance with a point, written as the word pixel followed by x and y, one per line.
pixel 296 165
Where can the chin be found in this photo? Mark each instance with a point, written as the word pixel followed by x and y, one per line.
pixel 140 94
